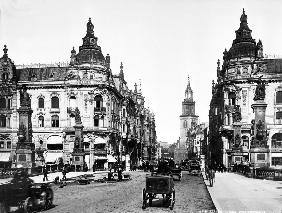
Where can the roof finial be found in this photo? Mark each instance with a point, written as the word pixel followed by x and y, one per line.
pixel 5 49
pixel 90 27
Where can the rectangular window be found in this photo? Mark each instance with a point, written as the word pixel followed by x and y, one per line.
pixel 260 156
pixel 279 97
pixel 9 145
pixel 123 128
pixel 276 161
pixel 123 112
pixel 1 144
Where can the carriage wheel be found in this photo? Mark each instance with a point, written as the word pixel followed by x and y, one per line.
pixel 28 206
pixel 150 199
pixel 49 198
pixel 144 199
pixel 172 200
pixel 3 207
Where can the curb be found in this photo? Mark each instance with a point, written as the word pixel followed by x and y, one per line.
pixel 215 203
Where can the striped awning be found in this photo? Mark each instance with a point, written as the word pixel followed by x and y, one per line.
pixel 99 140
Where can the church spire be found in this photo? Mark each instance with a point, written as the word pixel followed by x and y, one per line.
pixel 121 71
pixel 188 91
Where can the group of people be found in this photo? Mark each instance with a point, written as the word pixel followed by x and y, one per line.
pixel 45 173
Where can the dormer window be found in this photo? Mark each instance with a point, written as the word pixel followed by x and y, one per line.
pixel 5 76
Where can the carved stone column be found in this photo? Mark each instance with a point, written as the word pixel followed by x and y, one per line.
pixel 25 148
pixel 78 151
pixel 259 148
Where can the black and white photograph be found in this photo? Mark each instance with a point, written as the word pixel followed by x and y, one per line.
pixel 140 106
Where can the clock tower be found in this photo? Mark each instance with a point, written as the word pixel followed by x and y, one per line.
pixel 187 120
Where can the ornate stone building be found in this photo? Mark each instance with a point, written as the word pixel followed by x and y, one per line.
pixel 245 110
pixel 188 119
pixel 113 117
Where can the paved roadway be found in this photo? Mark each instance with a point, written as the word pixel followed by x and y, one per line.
pixel 126 196
pixel 234 192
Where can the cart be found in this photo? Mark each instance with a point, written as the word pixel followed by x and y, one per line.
pixel 156 186
pixel 25 197
pixel 176 173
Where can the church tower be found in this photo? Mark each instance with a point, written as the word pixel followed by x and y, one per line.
pixel 187 120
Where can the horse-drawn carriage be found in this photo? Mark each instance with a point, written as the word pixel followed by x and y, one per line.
pixel 175 173
pixel 23 194
pixel 157 185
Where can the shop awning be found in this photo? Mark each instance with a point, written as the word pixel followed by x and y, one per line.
pixel 111 159
pixel 52 157
pixel 99 140
pixel 4 156
pixel 55 139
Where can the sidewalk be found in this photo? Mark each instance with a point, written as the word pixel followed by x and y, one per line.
pixel 52 176
pixel 233 192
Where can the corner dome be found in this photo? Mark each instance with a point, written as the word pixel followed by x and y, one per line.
pixel 90 52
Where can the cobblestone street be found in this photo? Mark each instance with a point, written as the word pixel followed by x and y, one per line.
pixel 191 196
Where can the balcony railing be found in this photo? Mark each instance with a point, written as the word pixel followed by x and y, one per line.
pixel 100 152
pixel 99 109
pixel 70 109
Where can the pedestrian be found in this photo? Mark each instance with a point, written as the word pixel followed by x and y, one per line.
pixel 64 172
pixel 120 173
pixel 45 173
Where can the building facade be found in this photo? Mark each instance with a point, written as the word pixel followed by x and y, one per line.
pixel 114 119
pixel 245 110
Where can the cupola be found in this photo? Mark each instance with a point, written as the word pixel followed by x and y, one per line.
pixel 90 52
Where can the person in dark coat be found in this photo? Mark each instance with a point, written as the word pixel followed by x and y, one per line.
pixel 45 173
pixel 64 172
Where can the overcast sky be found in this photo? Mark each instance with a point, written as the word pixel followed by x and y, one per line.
pixel 160 42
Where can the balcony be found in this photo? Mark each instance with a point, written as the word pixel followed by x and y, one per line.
pixel 54 110
pixel 100 109
pixel 71 110
pixel 100 152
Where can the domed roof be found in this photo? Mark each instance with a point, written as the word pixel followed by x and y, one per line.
pixel 90 52
pixel 244 45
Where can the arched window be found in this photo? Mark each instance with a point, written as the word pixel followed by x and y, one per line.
pixel 55 102
pixel 2 103
pixel 2 121
pixel 279 97
pixel 276 140
pixel 96 121
pixel 55 121
pixel 40 102
pixel 72 101
pixel 232 98
pixel 99 101
pixel 41 121
pixel 5 76
pixel 245 140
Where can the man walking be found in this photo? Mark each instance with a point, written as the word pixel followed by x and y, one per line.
pixel 64 172
pixel 45 173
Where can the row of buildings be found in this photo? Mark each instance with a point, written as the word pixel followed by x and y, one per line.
pixel 245 110
pixel 115 125
pixel 246 106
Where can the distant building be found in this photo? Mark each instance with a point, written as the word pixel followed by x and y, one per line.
pixel 187 120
